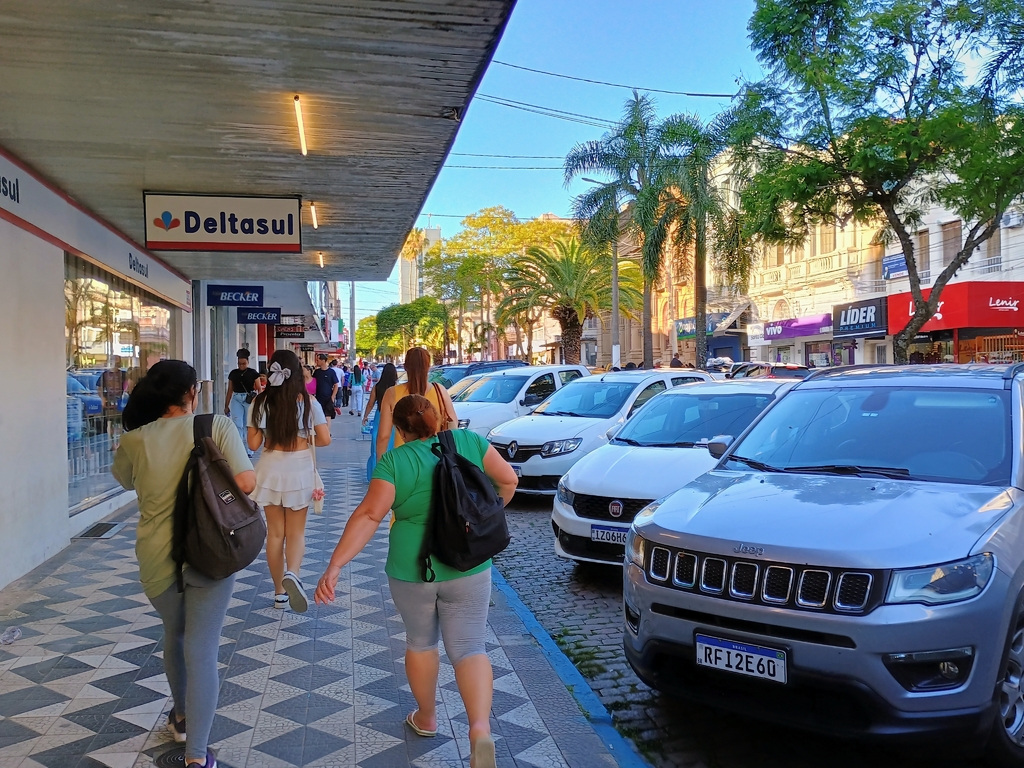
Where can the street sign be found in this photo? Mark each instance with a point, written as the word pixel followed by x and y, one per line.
pixel 307 347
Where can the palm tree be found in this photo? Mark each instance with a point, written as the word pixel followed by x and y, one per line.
pixel 639 156
pixel 572 282
pixel 694 212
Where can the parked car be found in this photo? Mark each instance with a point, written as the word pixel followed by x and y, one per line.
pixel 462 384
pixel 853 564
pixel 771 371
pixel 446 375
pixel 497 397
pixel 657 452
pixel 542 446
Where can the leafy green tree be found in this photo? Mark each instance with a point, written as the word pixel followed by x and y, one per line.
pixel 368 344
pixel 871 113
pixel 424 320
pixel 641 159
pixel 572 282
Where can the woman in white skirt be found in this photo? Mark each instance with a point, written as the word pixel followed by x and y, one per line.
pixel 284 420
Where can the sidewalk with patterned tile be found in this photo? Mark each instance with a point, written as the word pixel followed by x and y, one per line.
pixel 84 685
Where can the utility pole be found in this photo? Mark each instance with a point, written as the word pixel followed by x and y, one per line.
pixel 615 299
pixel 352 322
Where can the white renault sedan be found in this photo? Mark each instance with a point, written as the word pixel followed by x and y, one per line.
pixel 496 397
pixel 575 420
pixel 653 455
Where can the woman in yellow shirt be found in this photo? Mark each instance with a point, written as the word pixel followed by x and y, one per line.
pixel 417 368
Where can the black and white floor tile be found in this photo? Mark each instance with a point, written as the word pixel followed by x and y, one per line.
pixel 84 686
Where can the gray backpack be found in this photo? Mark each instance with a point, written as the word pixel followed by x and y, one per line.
pixel 218 530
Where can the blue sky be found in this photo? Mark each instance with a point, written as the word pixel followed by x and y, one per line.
pixel 681 45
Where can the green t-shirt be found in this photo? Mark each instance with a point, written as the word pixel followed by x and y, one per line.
pixel 410 468
pixel 151 459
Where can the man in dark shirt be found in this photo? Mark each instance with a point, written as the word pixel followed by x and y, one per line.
pixel 326 386
pixel 676 362
pixel 241 392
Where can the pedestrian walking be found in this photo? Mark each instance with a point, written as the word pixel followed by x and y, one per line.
pixel 346 385
pixel 340 376
pixel 455 604
pixel 242 383
pixel 417 370
pixel 151 460
pixel 358 395
pixel 286 421
pixel 307 377
pixel 388 379
pixel 326 386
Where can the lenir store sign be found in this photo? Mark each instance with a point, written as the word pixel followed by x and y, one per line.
pixel 180 222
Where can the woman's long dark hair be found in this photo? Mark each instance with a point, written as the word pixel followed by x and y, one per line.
pixel 357 374
pixel 417 367
pixel 165 384
pixel 281 404
pixel 388 379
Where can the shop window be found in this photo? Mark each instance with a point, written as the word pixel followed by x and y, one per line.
pixel 881 355
pixel 876 254
pixel 922 249
pixel 818 354
pixel 952 241
pixel 113 333
pixel 828 238
pixel 780 255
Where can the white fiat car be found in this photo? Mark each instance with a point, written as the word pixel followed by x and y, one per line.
pixel 496 397
pixel 656 453
pixel 574 421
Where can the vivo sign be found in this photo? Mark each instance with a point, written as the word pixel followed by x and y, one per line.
pixel 234 295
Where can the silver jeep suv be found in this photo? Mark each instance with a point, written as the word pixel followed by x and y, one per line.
pixel 854 563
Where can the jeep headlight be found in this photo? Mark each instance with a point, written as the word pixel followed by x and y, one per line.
pixel 636 547
pixel 564 494
pixel 937 584
pixel 558 447
pixel 644 514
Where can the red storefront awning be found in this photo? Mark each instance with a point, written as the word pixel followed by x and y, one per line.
pixel 965 305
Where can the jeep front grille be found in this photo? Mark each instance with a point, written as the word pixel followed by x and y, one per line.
pixel 778 585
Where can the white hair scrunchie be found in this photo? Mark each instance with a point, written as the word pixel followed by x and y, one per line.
pixel 278 375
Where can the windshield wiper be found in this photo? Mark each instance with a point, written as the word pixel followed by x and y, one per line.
pixel 628 441
pixel 563 413
pixel 755 464
pixel 852 469
pixel 680 444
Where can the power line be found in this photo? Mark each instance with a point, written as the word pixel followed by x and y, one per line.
pixel 510 167
pixel 616 85
pixel 511 157
pixel 572 117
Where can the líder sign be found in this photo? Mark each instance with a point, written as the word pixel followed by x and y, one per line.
pixel 181 222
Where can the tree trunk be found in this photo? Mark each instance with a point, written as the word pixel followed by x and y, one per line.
pixel 519 339
pixel 572 333
pixel 529 344
pixel 460 328
pixel 700 298
pixel 925 309
pixel 647 337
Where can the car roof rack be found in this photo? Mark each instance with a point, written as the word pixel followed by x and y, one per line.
pixel 1011 373
pixel 833 368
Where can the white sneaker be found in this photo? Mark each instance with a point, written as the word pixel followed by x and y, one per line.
pixel 281 601
pixel 296 592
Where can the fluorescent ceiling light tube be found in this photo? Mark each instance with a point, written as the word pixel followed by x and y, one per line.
pixel 312 212
pixel 302 130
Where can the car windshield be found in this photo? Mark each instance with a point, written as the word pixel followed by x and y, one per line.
pixel 461 385
pixel 590 399
pixel 916 433
pixel 679 419
pixel 492 389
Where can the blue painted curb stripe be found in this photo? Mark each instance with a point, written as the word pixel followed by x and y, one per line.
pixel 623 752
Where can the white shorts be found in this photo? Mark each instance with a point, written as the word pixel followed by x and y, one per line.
pixel 284 479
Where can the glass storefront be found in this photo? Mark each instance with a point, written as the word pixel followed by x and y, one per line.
pixel 1006 346
pixel 818 354
pixel 113 333
pixel 935 347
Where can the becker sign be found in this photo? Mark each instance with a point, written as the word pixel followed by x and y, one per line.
pixel 179 222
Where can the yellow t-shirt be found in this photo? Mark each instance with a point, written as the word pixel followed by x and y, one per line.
pixel 151 460
pixel 402 390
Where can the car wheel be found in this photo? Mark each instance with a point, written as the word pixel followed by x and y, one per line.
pixel 1006 743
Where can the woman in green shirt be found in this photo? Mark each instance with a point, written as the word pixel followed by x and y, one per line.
pixel 453 606
pixel 151 459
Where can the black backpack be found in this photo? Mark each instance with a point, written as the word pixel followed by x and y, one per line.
pixel 467 523
pixel 218 530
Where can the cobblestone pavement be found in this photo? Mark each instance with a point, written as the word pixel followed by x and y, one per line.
pixel 84 686
pixel 580 606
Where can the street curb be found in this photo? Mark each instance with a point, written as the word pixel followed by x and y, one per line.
pixel 625 754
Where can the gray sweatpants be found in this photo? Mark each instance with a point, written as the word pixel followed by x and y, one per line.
pixel 456 610
pixel 192 623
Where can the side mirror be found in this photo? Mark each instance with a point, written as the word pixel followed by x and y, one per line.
pixel 717 446
pixel 522 402
pixel 612 432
